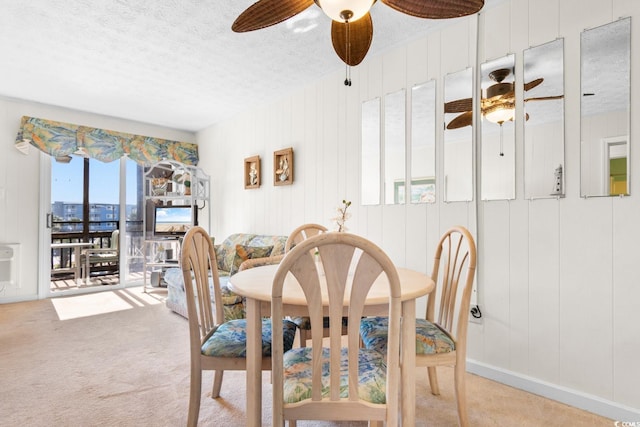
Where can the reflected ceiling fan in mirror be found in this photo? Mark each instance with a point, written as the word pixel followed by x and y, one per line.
pixel 351 27
pixel 498 101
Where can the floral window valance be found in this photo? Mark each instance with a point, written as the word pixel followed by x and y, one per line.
pixel 63 139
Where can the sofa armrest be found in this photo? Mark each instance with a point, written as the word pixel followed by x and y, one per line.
pixel 258 262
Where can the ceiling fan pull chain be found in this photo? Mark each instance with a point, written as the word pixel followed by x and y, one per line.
pixel 501 141
pixel 347 79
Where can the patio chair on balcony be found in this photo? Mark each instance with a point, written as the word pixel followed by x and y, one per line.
pixel 102 259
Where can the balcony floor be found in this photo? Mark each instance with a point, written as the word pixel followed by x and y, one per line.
pixel 95 282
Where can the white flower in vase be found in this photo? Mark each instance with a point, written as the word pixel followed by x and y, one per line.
pixel 343 216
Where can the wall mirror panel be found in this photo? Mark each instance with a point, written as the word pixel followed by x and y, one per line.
pixel 395 147
pixel 458 136
pixel 423 143
pixel 498 103
pixel 604 109
pixel 544 125
pixel 370 153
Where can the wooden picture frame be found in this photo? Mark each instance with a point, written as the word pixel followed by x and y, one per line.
pixel 252 172
pixel 283 167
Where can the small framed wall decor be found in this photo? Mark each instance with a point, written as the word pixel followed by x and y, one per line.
pixel 283 167
pixel 252 172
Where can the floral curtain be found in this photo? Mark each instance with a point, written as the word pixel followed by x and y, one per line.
pixel 63 139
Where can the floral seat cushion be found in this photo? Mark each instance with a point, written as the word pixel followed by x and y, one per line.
pixel 233 304
pixel 371 379
pixel 430 339
pixel 230 339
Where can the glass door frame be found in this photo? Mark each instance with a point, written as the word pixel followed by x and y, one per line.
pixel 44 243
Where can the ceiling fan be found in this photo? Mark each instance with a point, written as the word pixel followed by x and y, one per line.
pixel 352 27
pixel 498 101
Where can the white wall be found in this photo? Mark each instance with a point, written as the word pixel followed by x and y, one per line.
pixel 557 284
pixel 20 181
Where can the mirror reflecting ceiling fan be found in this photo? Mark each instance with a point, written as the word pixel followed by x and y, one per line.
pixel 498 101
pixel 351 27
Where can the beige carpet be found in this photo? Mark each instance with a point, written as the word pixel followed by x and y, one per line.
pixel 121 359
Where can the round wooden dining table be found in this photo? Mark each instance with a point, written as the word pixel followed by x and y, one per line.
pixel 255 285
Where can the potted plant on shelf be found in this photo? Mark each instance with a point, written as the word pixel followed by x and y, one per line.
pixel 184 179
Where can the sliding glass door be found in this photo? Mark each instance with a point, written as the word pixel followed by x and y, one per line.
pixel 94 224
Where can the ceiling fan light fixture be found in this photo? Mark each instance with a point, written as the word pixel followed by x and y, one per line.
pixel 343 10
pixel 500 113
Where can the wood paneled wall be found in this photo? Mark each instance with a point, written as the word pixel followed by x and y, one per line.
pixel 558 284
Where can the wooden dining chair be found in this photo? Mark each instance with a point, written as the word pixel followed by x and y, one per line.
pixel 215 344
pixel 336 382
pixel 441 338
pixel 303 322
pixel 301 233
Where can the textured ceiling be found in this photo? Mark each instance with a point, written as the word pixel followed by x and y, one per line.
pixel 174 63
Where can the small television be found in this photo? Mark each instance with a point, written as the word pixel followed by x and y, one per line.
pixel 174 220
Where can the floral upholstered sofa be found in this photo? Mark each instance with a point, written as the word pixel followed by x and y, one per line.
pixel 237 252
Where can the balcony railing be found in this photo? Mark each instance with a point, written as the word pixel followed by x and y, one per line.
pixel 63 259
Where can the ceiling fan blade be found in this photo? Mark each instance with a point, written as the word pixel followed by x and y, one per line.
pixel 458 106
pixel 533 83
pixel 436 9
pixel 265 13
pixel 352 41
pixel 464 119
pixel 544 98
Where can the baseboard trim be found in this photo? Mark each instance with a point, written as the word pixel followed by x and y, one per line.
pixel 18 298
pixel 571 397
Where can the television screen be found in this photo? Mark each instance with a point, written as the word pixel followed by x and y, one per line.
pixel 174 220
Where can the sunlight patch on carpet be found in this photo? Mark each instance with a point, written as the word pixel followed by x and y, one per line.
pixel 137 296
pixel 89 305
